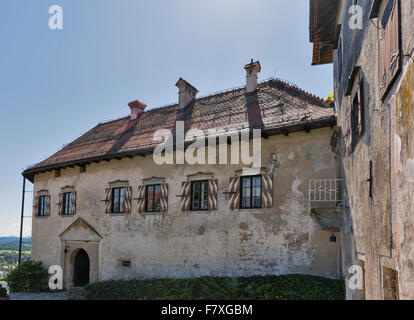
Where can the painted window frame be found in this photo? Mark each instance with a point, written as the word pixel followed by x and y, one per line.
pixel 117 208
pixel 42 206
pixel 153 198
pixel 67 202
pixel 201 201
pixel 252 206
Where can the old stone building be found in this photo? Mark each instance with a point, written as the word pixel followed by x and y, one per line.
pixel 104 209
pixel 371 46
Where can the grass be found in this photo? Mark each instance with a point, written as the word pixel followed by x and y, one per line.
pixel 286 287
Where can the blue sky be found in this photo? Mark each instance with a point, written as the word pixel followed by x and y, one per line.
pixel 57 84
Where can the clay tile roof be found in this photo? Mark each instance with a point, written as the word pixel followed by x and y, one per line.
pixel 278 105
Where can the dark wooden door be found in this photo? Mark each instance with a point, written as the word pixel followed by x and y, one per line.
pixel 81 269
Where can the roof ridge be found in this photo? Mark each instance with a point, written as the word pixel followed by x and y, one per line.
pixel 210 95
pixel 300 90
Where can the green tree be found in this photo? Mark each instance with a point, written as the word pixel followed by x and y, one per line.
pixel 331 97
pixel 30 276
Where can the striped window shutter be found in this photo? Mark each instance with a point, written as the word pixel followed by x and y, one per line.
pixel 108 200
pixel 73 203
pixel 234 192
pixel 186 196
pixel 164 197
pixel 212 194
pixel 267 191
pixel 47 212
pixel 141 199
pixel 60 204
pixel 127 201
pixel 36 206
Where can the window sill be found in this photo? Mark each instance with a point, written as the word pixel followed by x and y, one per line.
pixel 199 211
pixel 67 215
pixel 42 217
pixel 118 214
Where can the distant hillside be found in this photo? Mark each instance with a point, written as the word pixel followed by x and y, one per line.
pixel 12 243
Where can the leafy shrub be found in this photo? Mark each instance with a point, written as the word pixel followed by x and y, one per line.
pixel 286 287
pixel 331 97
pixel 30 276
pixel 3 292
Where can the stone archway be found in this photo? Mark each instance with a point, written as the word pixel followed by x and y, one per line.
pixel 81 268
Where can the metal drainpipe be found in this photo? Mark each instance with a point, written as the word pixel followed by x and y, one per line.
pixel 21 220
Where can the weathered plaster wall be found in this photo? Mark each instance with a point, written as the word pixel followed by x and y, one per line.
pixel 378 223
pixel 280 240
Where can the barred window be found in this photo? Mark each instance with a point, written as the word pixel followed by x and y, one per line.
pixel 126 263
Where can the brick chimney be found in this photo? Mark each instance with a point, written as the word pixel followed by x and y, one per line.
pixel 252 69
pixel 137 108
pixel 186 93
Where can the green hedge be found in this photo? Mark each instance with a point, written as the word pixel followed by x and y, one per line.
pixel 287 287
pixel 29 276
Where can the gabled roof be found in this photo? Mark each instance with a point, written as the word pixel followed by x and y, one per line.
pixel 80 230
pixel 278 107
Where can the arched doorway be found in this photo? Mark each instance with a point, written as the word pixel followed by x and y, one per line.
pixel 81 269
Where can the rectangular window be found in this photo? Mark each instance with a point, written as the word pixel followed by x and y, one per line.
pixel 339 62
pixel 361 292
pixel 354 122
pixel 251 190
pixel 199 195
pixel 67 204
pixel 42 206
pixel 118 200
pixel 390 284
pixel 153 198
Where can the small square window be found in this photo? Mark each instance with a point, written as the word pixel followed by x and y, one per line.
pixel 126 263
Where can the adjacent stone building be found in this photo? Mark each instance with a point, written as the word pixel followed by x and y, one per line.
pixel 371 46
pixel 103 208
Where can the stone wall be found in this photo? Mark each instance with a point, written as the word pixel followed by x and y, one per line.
pixel 381 226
